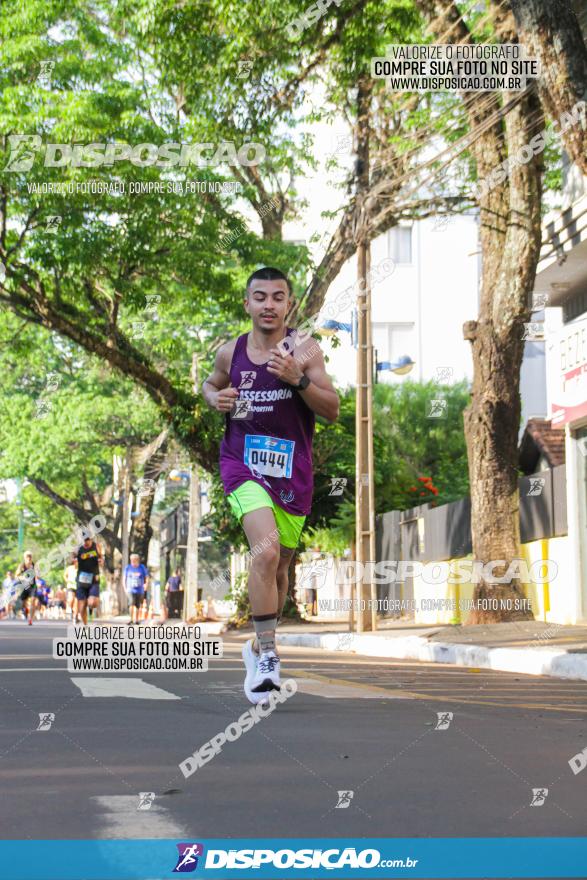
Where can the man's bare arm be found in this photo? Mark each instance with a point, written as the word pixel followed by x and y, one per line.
pixel 216 389
pixel 320 394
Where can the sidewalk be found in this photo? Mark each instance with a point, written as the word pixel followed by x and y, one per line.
pixel 207 627
pixel 529 647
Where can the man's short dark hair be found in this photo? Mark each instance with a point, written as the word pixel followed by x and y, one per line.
pixel 269 273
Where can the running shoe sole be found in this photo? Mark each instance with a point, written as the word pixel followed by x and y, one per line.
pixel 265 686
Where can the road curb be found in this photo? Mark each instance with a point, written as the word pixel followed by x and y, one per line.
pixel 552 662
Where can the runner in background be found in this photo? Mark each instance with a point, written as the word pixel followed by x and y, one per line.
pixel 26 575
pixel 89 562
pixel 42 596
pixel 136 583
pixel 10 587
pixel 174 594
pixel 57 603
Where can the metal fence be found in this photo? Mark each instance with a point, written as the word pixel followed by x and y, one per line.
pixel 429 534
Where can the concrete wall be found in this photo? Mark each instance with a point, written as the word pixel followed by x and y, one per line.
pixel 553 601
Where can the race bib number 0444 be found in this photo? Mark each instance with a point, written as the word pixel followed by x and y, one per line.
pixel 270 456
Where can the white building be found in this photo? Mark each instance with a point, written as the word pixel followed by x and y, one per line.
pixel 562 277
pixel 419 309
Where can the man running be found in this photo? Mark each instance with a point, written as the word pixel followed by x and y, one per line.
pixel 42 596
pixel 136 583
pixel 174 594
pixel 89 562
pixel 10 587
pixel 272 383
pixel 26 575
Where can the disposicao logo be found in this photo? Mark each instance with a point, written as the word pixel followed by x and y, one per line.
pixel 187 859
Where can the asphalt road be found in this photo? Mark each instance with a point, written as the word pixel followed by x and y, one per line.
pixel 355 724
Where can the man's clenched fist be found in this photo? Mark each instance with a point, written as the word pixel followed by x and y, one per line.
pixel 225 399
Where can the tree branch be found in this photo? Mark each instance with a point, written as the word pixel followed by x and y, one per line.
pixel 551 32
pixel 80 512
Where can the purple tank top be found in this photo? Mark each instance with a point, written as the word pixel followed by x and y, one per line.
pixel 268 438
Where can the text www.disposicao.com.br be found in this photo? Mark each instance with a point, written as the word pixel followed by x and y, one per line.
pixel 140 664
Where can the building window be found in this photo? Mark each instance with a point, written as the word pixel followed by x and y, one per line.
pixel 400 244
pixel 575 306
pixel 391 341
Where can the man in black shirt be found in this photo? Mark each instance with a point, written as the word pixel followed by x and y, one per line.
pixel 89 561
pixel 174 594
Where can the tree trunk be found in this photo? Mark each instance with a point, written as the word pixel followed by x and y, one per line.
pixel 109 549
pixel 510 233
pixel 272 228
pixel 492 420
pixel 551 32
pixel 141 529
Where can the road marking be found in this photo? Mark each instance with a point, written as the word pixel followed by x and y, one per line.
pixel 28 636
pixel 340 689
pixel 4 657
pixel 118 817
pixel 504 693
pixel 411 695
pixel 65 669
pixel 34 669
pixel 130 688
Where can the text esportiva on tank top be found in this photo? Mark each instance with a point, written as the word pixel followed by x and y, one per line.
pixel 271 441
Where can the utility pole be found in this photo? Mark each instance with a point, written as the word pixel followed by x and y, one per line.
pixel 191 573
pixel 364 484
pixel 20 506
pixel 191 590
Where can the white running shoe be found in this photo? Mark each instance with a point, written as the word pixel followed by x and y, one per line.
pixel 251 659
pixel 267 675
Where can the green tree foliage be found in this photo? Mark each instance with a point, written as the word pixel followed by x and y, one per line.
pixel 63 416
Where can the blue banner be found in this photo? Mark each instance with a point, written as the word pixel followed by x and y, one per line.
pixel 271 858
